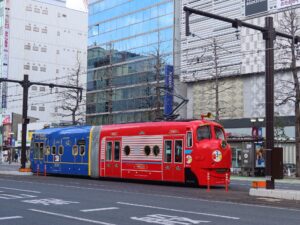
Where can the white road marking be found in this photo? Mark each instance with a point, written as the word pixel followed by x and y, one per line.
pixel 99 209
pixel 11 196
pixel 168 220
pixel 15 189
pixel 178 210
pixel 11 217
pixel 49 201
pixel 70 217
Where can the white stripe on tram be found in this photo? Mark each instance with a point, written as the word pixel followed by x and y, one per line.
pixel 71 217
pixel 99 209
pixel 178 210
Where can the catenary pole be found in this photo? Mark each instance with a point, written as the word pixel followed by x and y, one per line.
pixel 25 83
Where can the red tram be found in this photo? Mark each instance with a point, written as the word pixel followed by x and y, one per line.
pixel 178 151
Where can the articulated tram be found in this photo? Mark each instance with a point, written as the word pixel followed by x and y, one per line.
pixel 178 151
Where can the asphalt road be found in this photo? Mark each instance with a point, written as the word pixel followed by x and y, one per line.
pixel 60 200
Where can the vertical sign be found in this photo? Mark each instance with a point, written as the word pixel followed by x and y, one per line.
pixel 255 6
pixel 169 87
pixel 5 58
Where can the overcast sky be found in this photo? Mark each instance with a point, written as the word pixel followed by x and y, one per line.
pixel 75 4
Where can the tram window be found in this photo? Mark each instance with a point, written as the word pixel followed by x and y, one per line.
pixel 156 150
pixel 47 150
pixel 61 150
pixel 53 152
pixel 36 150
pixel 117 151
pixel 178 151
pixel 75 150
pixel 168 151
pixel 108 150
pixel 82 150
pixel 189 139
pixel 219 133
pixel 203 132
pixel 127 150
pixel 147 150
pixel 41 156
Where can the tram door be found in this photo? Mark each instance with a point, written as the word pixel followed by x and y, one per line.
pixel 173 166
pixel 113 158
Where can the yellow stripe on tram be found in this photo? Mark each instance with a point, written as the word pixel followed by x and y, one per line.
pixel 90 150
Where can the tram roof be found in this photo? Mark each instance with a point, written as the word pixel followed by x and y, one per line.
pixel 65 130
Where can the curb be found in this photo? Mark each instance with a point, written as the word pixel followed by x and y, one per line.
pixel 278 193
pixel 16 173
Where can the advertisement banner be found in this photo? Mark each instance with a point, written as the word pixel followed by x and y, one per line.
pixel 5 53
pixel 285 3
pixel 169 87
pixel 255 6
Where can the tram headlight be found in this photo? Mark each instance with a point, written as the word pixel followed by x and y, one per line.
pixel 223 144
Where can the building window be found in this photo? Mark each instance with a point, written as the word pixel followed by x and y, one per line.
pixel 44 30
pixel 44 49
pixel 45 11
pixel 64 15
pixel 27 46
pixel 37 10
pixel 35 48
pixel 34 88
pixel 42 89
pixel 26 67
pixel 57 70
pixel 29 8
pixel 57 51
pixel 42 108
pixel 56 109
pixel 33 108
pixel 43 69
pixel 58 33
pixel 34 68
pixel 36 29
pixel 28 27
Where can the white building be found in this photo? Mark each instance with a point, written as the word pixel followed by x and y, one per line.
pixel 47 41
pixel 240 57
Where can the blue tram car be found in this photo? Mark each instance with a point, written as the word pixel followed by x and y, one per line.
pixel 61 150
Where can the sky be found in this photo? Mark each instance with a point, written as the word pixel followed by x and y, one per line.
pixel 76 4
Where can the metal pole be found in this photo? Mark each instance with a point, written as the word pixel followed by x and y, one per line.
pixel 269 36
pixel 25 85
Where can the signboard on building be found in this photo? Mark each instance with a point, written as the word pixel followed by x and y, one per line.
pixel 285 3
pixel 169 87
pixel 255 6
pixel 5 53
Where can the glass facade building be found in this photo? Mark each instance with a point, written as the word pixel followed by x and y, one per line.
pixel 130 47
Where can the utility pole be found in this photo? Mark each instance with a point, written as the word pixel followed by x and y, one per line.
pixel 269 35
pixel 25 83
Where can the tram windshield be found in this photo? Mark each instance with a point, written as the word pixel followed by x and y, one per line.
pixel 203 132
pixel 219 133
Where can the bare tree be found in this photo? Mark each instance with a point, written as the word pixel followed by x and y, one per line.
pixel 72 104
pixel 291 93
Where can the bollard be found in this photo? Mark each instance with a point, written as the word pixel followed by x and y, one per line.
pixel 208 182
pixel 45 170
pixel 37 169
pixel 226 182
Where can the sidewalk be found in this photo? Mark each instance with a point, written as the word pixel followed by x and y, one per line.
pixel 269 193
pixel 12 169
